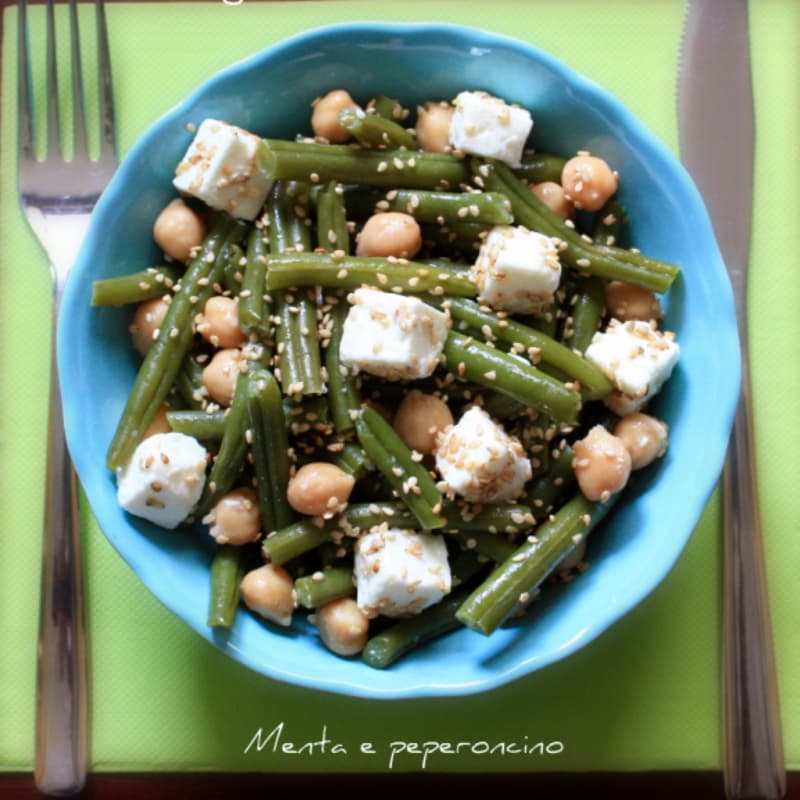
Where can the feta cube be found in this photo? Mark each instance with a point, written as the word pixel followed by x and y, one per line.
pixel 221 168
pixel 399 572
pixel 487 126
pixel 164 479
pixel 637 358
pixel 392 336
pixel 517 270
pixel 478 460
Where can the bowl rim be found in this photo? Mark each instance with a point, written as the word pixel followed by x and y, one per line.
pixel 608 104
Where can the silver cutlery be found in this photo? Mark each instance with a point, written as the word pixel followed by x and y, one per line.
pixel 57 197
pixel 716 125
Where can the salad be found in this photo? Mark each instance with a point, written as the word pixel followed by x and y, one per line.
pixel 397 370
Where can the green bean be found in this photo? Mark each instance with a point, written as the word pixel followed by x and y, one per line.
pixel 202 425
pixel 508 374
pixel 298 345
pixel 501 406
pixel 282 160
pixel 394 461
pixel 532 342
pixel 189 383
pixel 270 448
pixel 444 208
pixel 579 254
pixel 135 287
pixel 227 570
pixel 459 240
pixel 373 130
pixel 489 517
pixel 385 648
pixel 489 545
pixel 232 450
pixel 587 312
pixel 387 107
pixel 332 232
pixel 164 359
pixel 352 460
pixel 291 541
pixel 543 494
pixel 288 218
pixel 254 309
pixel 353 272
pixel 232 275
pixel 490 604
pixel 540 167
pixel 308 413
pixel 344 397
pixel 321 587
pixel 608 222
pixel 359 517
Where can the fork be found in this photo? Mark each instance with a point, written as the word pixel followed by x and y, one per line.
pixel 57 197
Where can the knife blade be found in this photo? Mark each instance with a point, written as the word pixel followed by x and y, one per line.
pixel 717 134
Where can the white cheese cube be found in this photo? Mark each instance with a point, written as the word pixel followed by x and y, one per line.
pixel 517 270
pixel 392 336
pixel 487 126
pixel 478 460
pixel 637 358
pixel 221 168
pixel 164 479
pixel 398 572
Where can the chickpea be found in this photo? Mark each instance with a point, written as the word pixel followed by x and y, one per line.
pixel 433 127
pixel 220 374
pixel 602 464
pixel 235 518
pixel 325 116
pixel 390 233
pixel 319 488
pixel 588 181
pixel 419 420
pixel 343 626
pixel 159 423
pixel 626 302
pixel 552 195
pixel 269 591
pixel 147 319
pixel 644 436
pixel 178 229
pixel 220 323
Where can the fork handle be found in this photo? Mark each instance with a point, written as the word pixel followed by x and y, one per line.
pixel 754 766
pixel 61 680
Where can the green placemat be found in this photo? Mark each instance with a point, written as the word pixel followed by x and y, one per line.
pixel 643 696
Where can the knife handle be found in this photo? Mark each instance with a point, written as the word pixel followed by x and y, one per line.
pixel 754 765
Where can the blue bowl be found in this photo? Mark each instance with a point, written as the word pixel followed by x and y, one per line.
pixel 270 94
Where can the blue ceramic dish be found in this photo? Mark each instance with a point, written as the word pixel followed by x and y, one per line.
pixel 270 94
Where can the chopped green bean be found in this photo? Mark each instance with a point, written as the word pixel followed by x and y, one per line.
pixel 254 309
pixel 332 232
pixel 202 425
pixel 373 130
pixel 540 167
pixel 321 587
pixel 135 287
pixel 344 397
pixel 227 570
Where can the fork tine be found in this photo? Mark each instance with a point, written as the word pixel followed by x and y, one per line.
pixel 24 96
pixel 108 145
pixel 78 108
pixel 53 111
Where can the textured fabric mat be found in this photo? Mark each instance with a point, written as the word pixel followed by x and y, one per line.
pixel 645 695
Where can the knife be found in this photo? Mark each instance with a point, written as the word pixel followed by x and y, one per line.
pixel 717 130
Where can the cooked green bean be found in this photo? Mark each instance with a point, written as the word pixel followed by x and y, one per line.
pixel 163 361
pixel 393 459
pixel 548 489
pixel 317 163
pixel 587 312
pixel 540 167
pixel 489 517
pixel 291 541
pixel 332 232
pixel 373 130
pixel 202 425
pixel 232 450
pixel 511 583
pixel 344 397
pixel 298 344
pixel 270 448
pixel 510 375
pixel 254 309
pixel 353 272
pixel 321 587
pixel 444 208
pixel 531 342
pixel 227 570
pixel 233 274
pixel 608 222
pixel 387 107
pixel 352 460
pixel 135 287
pixel 189 383
pixel 493 546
